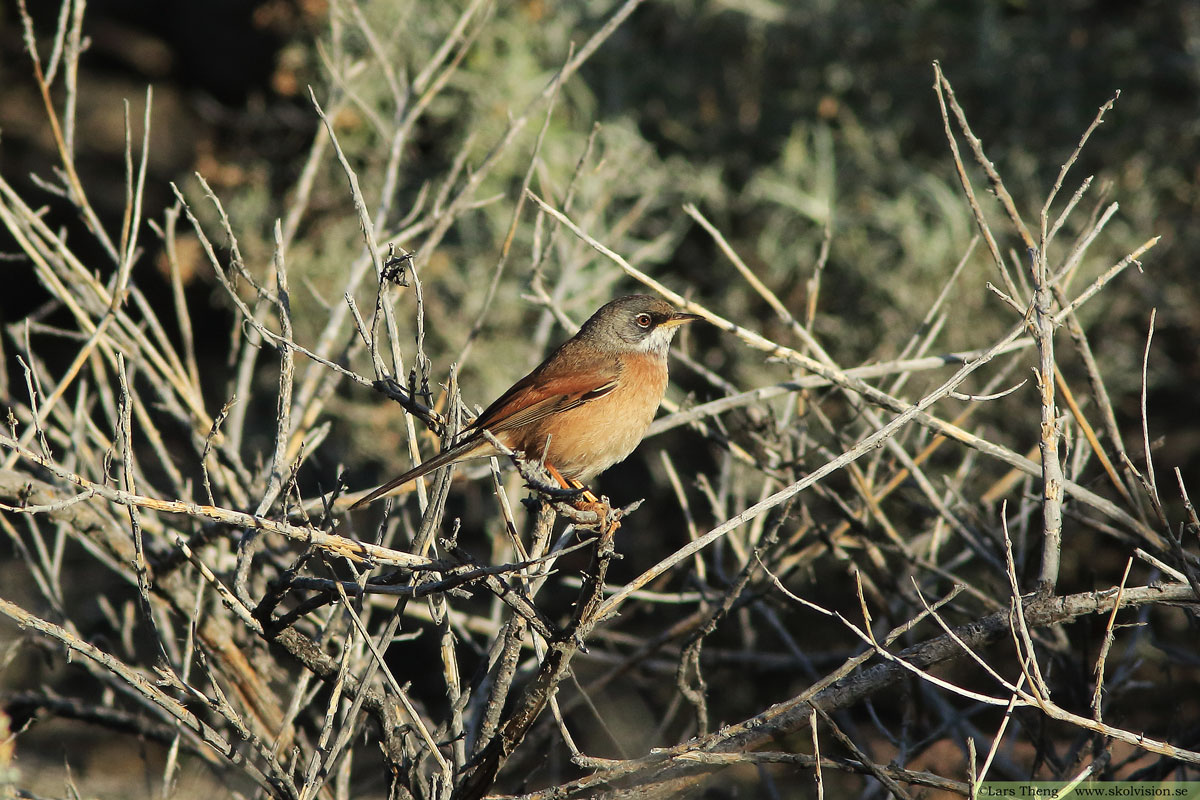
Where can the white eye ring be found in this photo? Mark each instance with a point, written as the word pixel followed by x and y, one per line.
pixel 643 320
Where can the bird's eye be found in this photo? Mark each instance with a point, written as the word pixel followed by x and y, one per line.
pixel 643 320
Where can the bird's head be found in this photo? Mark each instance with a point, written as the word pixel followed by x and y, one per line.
pixel 638 323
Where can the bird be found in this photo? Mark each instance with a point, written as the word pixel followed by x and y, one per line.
pixel 583 409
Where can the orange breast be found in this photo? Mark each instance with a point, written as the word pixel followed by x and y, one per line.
pixel 587 440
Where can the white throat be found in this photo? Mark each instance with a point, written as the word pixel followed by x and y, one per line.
pixel 658 342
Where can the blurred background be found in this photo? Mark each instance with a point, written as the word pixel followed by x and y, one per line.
pixel 775 118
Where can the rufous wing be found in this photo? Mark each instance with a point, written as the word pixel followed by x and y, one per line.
pixel 544 392
pixel 564 381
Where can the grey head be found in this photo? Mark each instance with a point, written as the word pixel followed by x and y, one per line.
pixel 636 322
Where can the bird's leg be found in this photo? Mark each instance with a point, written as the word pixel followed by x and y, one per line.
pixel 571 483
pixel 587 501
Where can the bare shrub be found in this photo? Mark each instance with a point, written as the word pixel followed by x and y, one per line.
pixel 919 572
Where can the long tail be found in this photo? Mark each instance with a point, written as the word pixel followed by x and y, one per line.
pixel 466 449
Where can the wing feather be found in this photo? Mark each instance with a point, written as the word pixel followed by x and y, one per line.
pixel 552 404
pixel 563 381
pixel 571 377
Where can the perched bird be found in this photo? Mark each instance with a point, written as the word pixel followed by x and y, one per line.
pixel 586 406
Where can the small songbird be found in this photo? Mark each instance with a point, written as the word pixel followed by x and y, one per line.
pixel 586 406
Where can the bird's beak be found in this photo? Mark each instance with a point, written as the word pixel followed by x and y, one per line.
pixel 679 318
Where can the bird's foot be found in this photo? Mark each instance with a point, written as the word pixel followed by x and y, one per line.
pixel 608 518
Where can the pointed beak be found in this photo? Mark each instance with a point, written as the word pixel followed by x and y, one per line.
pixel 679 318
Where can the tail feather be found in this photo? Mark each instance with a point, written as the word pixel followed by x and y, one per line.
pixel 469 448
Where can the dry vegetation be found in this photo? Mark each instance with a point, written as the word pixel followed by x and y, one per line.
pixel 856 569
